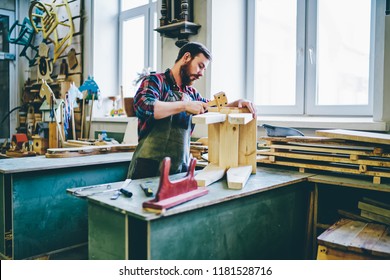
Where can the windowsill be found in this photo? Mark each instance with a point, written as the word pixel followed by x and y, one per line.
pixel 353 123
pixel 112 119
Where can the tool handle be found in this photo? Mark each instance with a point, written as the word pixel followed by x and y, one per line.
pixel 126 193
pixel 148 191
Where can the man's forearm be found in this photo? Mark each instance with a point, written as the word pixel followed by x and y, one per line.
pixel 164 109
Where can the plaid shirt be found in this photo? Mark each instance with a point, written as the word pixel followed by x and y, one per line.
pixel 156 87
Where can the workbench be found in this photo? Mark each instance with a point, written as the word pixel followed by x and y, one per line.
pixel 37 215
pixel 264 220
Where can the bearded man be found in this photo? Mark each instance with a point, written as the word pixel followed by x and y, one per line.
pixel 164 105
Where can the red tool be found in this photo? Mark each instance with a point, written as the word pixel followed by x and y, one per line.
pixel 170 194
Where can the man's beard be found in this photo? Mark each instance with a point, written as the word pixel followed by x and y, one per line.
pixel 186 75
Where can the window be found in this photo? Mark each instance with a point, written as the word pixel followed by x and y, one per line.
pixel 138 41
pixel 313 57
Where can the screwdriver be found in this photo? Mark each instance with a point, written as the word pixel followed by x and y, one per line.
pixel 148 191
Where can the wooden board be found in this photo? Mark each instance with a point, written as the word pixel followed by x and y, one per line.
pixel 210 174
pixel 357 237
pixel 208 118
pixel 88 150
pixel 362 136
pixel 243 118
pixel 238 176
pixel 374 209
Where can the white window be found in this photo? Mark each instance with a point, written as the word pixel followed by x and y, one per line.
pixel 138 41
pixel 313 57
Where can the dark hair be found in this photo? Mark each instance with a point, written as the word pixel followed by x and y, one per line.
pixel 194 49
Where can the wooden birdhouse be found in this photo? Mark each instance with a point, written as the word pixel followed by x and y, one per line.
pixel 231 145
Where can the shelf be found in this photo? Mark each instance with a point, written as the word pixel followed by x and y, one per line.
pixel 180 30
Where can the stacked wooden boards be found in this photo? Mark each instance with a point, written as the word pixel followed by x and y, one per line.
pixel 343 151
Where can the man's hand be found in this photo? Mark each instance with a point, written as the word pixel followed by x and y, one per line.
pixel 241 103
pixel 195 107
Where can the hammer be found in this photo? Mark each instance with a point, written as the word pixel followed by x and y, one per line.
pixel 220 100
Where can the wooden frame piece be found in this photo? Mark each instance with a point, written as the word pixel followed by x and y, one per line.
pixel 232 146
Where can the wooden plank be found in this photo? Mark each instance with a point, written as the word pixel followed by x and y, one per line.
pixel 327 253
pixel 228 145
pixel 372 217
pixel 374 209
pixel 376 203
pixel 210 174
pixel 340 234
pixel 309 226
pixel 382 247
pixel 334 168
pixel 243 118
pixel 352 216
pixel 362 136
pixel 366 238
pixel 238 176
pixel 329 150
pixel 248 145
pixel 208 118
pixel 301 139
pixel 329 158
pixel 213 143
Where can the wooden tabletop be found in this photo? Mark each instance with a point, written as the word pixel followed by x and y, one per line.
pixel 265 179
pixel 17 165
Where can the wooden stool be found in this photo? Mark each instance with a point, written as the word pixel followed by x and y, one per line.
pixel 354 240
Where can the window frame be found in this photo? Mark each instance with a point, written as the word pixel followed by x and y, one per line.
pixel 147 11
pixel 306 71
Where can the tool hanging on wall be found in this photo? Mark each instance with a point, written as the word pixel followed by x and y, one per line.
pixel 72 95
pixel 92 93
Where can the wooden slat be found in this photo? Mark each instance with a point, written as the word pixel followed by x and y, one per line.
pixel 382 247
pixel 374 209
pixel 208 118
pixel 243 118
pixel 238 176
pixel 366 238
pixel 210 174
pixel 372 217
pixel 248 145
pixel 341 233
pixel 328 158
pixel 326 253
pixel 362 136
pixel 228 145
pixel 329 150
pixel 323 167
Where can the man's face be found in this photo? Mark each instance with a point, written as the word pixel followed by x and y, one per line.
pixel 193 68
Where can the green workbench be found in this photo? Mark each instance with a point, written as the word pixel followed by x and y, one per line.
pixel 264 220
pixel 37 215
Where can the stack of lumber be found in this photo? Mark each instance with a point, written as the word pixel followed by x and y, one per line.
pixel 197 150
pixel 199 147
pixel 374 210
pixel 342 151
